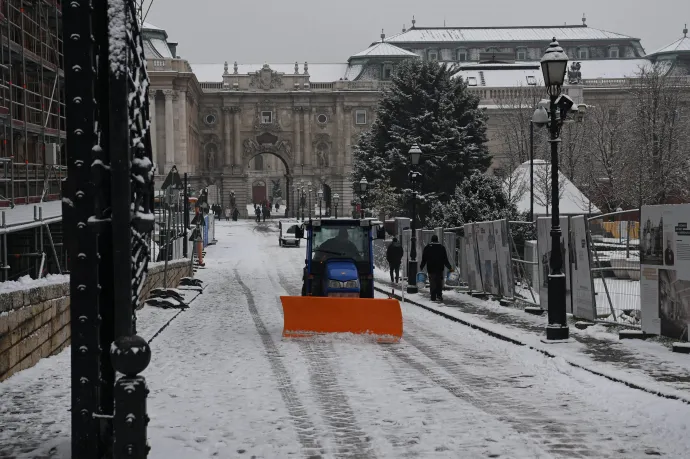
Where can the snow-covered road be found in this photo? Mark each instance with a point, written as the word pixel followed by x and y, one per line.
pixel 225 384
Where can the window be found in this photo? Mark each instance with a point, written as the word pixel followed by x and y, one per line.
pixel 500 173
pixel 583 53
pixel 259 162
pixel 266 117
pixel 360 117
pixel 322 118
pixel 462 55
pixel 433 55
pixel 471 81
pixel 532 81
pixel 387 71
pixel 522 54
pixel 613 52
pixel 492 50
pixel 613 115
pixel 210 119
pixel 326 242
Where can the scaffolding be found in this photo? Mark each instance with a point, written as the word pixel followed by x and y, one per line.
pixel 32 109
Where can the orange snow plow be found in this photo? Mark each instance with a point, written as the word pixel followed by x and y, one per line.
pixel 311 315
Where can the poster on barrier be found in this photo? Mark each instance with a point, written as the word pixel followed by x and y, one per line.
pixel 584 305
pixel 665 270
pixel 544 250
pixel 503 259
pixel 486 245
pixel 474 279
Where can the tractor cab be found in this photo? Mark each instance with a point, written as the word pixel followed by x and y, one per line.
pixel 340 257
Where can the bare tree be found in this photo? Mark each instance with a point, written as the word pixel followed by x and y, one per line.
pixel 660 135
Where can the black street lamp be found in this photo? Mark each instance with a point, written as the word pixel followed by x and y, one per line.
pixel 553 65
pixel 360 189
pixel 309 191
pixel 540 118
pixel 320 196
pixel 336 200
pixel 415 156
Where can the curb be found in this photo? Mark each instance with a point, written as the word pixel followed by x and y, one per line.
pixel 541 351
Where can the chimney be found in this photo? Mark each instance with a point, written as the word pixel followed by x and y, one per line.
pixel 173 49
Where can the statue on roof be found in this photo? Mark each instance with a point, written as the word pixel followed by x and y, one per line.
pixel 225 68
pixel 574 74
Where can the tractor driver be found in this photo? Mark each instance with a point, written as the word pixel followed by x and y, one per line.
pixel 339 246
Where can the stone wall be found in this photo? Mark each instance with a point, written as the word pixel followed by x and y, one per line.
pixel 35 322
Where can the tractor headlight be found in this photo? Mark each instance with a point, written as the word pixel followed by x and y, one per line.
pixel 335 284
pixel 351 284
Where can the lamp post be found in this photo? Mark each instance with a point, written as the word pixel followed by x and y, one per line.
pixel 553 65
pixel 320 196
pixel 415 156
pixel 540 118
pixel 309 190
pixel 363 185
pixel 336 199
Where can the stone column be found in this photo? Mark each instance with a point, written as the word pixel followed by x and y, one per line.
pixel 227 136
pixel 152 130
pixel 181 151
pixel 307 137
pixel 169 130
pixel 298 144
pixel 348 139
pixel 340 161
pixel 236 136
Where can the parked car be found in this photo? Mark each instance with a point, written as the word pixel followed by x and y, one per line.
pixel 287 230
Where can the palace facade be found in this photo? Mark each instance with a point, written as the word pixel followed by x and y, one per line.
pixel 254 129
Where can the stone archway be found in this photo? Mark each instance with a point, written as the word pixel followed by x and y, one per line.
pixel 268 143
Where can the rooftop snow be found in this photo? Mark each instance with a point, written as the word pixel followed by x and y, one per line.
pixel 612 68
pixel 149 26
pixel 572 202
pixel 503 78
pixel 384 50
pixel 497 34
pixel 161 47
pixel 680 45
pixel 319 73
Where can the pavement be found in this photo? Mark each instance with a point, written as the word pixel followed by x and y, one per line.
pixel 649 364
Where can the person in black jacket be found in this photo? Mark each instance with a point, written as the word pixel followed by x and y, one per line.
pixel 394 256
pixel 435 258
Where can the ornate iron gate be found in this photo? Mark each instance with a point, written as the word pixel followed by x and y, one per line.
pixel 108 215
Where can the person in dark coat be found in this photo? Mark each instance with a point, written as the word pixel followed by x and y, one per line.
pixel 235 214
pixel 435 258
pixel 257 211
pixel 394 256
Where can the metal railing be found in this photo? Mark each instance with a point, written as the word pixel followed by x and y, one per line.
pixel 615 257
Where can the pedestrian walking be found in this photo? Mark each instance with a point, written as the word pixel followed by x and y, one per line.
pixel 257 211
pixel 227 214
pixel 394 256
pixel 235 214
pixel 435 258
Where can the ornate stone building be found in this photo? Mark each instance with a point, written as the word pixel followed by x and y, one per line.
pixel 255 129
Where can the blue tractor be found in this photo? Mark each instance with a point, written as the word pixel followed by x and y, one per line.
pixel 340 257
pixel 338 283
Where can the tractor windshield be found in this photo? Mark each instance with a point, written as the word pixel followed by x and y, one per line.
pixel 341 242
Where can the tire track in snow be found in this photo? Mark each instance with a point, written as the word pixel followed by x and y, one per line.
pixel 552 435
pixel 335 407
pixel 306 430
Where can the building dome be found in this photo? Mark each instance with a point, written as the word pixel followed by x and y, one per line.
pixel 156 44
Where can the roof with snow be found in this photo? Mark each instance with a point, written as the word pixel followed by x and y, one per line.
pixel 678 46
pixel 318 73
pixel 156 42
pixel 498 34
pixel 382 49
pixel 573 201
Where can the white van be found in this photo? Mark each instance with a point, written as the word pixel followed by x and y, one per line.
pixel 286 235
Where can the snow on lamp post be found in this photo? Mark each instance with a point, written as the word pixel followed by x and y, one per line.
pixel 553 66
pixel 415 156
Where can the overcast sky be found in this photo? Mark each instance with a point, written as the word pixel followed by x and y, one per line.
pixel 283 31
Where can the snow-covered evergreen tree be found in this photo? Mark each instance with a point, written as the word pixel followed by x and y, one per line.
pixel 426 106
pixel 478 198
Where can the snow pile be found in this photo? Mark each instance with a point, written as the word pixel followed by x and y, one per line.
pixel 27 282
